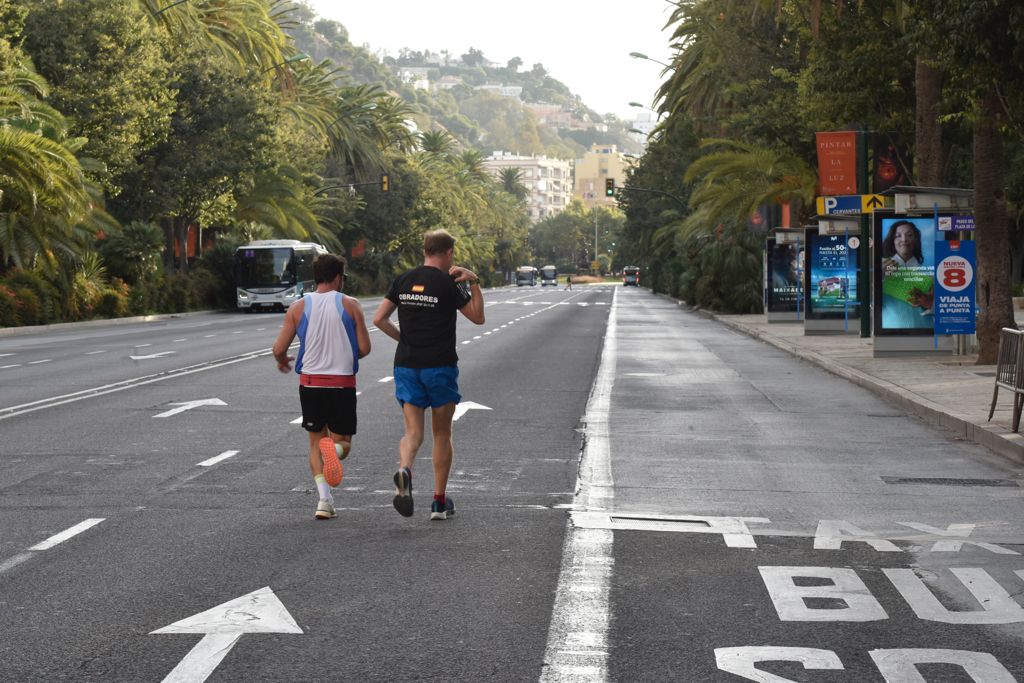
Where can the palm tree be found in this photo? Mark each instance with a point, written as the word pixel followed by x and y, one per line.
pixel 511 180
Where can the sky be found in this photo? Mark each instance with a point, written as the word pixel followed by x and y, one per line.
pixel 585 45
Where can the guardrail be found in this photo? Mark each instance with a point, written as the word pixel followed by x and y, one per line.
pixel 1010 371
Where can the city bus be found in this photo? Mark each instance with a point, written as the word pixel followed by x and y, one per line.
pixel 271 274
pixel 548 276
pixel 526 275
pixel 631 276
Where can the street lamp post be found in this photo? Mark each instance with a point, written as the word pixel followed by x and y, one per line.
pixel 641 55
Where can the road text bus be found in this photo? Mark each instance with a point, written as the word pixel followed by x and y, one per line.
pixel 271 274
pixel 526 275
pixel 549 276
pixel 631 276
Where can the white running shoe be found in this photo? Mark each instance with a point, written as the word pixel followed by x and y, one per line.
pixel 325 510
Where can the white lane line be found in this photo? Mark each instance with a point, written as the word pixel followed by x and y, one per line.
pixel 4 367
pixel 217 458
pixel 14 561
pixel 577 647
pixel 466 342
pixel 67 533
pixel 4 355
pixel 296 421
pixel 384 380
pixel 207 336
pixel 37 362
pixel 477 337
pixel 260 329
pixel 142 346
pixel 486 334
pixel 179 340
pixel 93 353
pixel 238 332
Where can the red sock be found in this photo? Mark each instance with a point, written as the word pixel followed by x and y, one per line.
pixel 439 497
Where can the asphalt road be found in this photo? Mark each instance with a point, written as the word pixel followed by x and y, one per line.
pixel 730 502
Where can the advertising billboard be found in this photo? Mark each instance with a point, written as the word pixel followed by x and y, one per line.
pixel 831 280
pixel 904 268
pixel 783 268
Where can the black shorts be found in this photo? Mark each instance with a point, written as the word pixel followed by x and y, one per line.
pixel 334 407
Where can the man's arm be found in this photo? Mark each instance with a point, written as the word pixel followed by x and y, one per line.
pixel 362 334
pixel 382 319
pixel 286 336
pixel 474 308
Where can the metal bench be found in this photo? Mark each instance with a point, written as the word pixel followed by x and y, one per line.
pixel 1010 371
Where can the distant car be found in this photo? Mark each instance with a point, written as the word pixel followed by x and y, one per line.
pixel 631 276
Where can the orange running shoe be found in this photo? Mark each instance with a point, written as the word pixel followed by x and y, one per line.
pixel 332 466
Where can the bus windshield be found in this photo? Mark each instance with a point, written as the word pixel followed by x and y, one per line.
pixel 264 267
pixel 548 272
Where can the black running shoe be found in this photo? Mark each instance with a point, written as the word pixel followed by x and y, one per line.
pixel 403 492
pixel 438 511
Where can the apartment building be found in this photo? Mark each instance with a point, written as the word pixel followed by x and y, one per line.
pixel 596 166
pixel 549 181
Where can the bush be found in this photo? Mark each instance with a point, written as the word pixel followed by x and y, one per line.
pixel 8 307
pixel 204 287
pixel 27 306
pixel 112 303
pixel 179 294
pixel 146 296
pixel 46 302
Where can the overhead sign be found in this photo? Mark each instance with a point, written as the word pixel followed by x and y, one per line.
pixel 850 205
pixel 222 626
pixel 955 301
pixel 837 162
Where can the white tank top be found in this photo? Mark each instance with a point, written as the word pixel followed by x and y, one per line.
pixel 327 336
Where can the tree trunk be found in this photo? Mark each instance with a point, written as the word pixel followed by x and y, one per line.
pixel 928 131
pixel 994 294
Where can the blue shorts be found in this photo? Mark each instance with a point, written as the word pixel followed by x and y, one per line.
pixel 427 387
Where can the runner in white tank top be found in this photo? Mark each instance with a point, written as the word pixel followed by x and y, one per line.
pixel 333 337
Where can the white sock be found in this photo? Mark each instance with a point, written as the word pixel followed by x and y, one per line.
pixel 323 488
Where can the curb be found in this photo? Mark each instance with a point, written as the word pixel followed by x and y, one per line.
pixel 31 329
pixel 997 439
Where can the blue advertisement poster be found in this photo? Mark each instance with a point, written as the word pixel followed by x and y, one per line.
pixel 955 302
pixel 832 277
pixel 907 274
pixel 783 276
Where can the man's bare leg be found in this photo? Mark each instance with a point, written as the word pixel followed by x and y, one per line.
pixel 407 449
pixel 443 451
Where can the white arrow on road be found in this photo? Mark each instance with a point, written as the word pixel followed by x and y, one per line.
pixel 189 405
pixel 151 355
pixel 465 407
pixel 222 626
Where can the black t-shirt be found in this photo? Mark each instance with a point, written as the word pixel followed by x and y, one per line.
pixel 428 302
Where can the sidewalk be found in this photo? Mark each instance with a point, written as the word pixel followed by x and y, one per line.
pixel 949 391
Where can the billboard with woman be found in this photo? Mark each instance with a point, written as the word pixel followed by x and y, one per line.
pixel 904 274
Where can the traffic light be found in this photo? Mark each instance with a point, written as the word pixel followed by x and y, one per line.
pixel 609 187
pixel 385 183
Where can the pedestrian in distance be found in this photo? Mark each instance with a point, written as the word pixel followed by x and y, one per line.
pixel 568 282
pixel 332 338
pixel 428 299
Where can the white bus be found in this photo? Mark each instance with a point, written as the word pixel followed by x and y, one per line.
pixel 271 274
pixel 526 276
pixel 548 276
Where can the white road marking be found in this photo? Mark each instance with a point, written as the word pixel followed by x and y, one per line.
pixel 3 355
pixel 260 329
pixel 93 353
pixel 577 646
pixel 217 458
pixel 238 332
pixel 384 380
pixel 488 333
pixel 466 406
pixel 151 356
pixel 67 533
pixel 477 337
pixel 179 340
pixel 207 336
pixel 12 562
pixel 189 405
pixel 466 342
pixel 296 421
pixel 142 346
pixel 4 367
pixel 37 362
pixel 222 626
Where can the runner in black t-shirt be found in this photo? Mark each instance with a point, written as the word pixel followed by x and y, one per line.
pixel 427 299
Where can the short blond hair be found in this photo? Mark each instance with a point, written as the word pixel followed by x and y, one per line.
pixel 437 242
